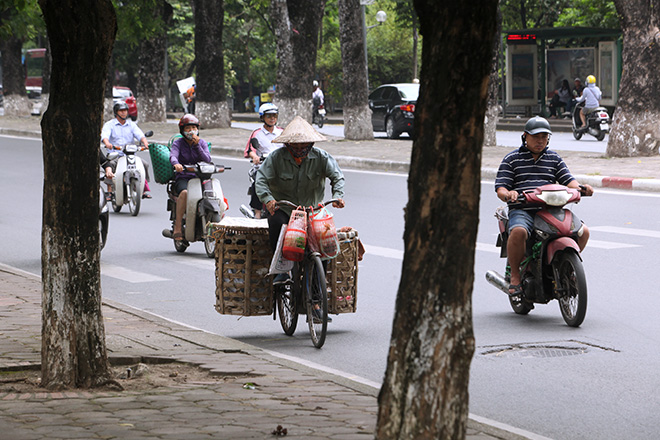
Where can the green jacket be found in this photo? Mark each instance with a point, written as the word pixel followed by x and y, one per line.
pixel 281 178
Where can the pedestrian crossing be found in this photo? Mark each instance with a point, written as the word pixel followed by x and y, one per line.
pixel 133 276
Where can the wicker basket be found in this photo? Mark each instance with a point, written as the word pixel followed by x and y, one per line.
pixel 341 277
pixel 242 259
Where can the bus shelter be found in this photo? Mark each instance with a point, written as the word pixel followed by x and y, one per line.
pixel 538 60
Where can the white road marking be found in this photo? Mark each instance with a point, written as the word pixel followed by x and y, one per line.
pixel 128 275
pixel 207 264
pixel 383 252
pixel 626 231
pixel 609 245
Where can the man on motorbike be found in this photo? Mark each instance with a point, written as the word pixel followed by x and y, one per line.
pixel 317 97
pixel 529 167
pixel 186 150
pixel 268 113
pixel 591 98
pixel 121 131
pixel 296 173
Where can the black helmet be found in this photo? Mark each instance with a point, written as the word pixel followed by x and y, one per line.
pixel 537 125
pixel 119 106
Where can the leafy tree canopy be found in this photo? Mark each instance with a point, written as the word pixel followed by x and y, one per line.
pixel 20 19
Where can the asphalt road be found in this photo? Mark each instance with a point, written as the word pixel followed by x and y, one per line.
pixel 533 372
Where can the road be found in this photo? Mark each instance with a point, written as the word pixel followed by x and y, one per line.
pixel 559 140
pixel 533 372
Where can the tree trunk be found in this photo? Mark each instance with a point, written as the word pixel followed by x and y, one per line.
pixel 415 68
pixel 108 102
pixel 45 78
pixel 297 25
pixel 73 352
pixel 425 391
pixel 152 84
pixel 357 114
pixel 16 102
pixel 635 128
pixel 493 110
pixel 211 105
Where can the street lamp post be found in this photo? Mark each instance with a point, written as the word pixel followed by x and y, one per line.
pixel 381 16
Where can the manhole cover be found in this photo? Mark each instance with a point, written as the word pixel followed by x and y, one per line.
pixel 549 349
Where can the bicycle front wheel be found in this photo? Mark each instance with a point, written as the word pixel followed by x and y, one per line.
pixel 316 298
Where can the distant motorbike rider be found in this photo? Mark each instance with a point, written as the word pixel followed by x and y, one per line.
pixel 317 96
pixel 186 150
pixel 268 114
pixel 121 131
pixel 530 166
pixel 591 97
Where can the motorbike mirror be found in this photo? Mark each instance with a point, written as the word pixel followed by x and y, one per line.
pixel 255 143
pixel 149 133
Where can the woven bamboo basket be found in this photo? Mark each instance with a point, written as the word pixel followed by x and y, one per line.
pixel 341 277
pixel 242 260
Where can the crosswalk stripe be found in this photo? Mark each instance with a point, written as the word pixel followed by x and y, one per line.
pixel 626 231
pixel 128 275
pixel 207 263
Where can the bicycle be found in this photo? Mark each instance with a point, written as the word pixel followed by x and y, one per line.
pixel 307 293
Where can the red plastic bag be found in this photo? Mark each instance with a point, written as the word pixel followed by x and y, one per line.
pixel 325 233
pixel 295 239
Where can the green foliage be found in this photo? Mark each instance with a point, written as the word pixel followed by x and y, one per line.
pixel 524 14
pixel 180 41
pixel 586 13
pixel 21 19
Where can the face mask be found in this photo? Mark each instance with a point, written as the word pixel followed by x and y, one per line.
pixel 189 134
pixel 299 153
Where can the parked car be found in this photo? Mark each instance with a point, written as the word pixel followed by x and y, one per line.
pixel 393 108
pixel 125 94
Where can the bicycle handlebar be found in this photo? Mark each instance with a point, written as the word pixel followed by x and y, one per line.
pixel 306 208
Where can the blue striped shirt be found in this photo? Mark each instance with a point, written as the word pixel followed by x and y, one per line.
pixel 519 171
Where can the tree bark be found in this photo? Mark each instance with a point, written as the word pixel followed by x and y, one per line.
pixel 211 105
pixel 152 85
pixel 16 102
pixel 73 351
pixel 357 114
pixel 297 24
pixel 45 81
pixel 635 128
pixel 493 110
pixel 425 391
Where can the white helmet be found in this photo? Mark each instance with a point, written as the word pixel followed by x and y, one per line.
pixel 268 107
pixel 315 83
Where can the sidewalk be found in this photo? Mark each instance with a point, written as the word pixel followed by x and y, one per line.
pixel 310 404
pixel 393 155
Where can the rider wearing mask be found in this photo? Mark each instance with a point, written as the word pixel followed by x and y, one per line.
pixel 591 97
pixel 296 173
pixel 121 131
pixel 186 150
pixel 530 166
pixel 264 135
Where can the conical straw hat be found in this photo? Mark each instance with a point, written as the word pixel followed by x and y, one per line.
pixel 299 132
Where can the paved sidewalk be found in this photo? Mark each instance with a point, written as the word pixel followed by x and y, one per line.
pixel 638 173
pixel 309 403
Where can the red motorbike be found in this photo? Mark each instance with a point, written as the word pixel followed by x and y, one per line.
pixel 552 267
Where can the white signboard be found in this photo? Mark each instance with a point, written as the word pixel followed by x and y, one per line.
pixel 183 85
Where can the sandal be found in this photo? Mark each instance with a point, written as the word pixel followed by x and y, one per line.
pixel 178 236
pixel 517 290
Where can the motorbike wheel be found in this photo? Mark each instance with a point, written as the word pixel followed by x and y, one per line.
pixel 572 286
pixel 209 239
pixel 520 307
pixel 103 231
pixel 320 121
pixel 601 135
pixel 390 130
pixel 577 135
pixel 134 198
pixel 115 206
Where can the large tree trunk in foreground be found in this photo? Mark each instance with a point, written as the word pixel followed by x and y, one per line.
pixel 357 114
pixel 493 109
pixel 16 102
pixel 73 352
pixel 635 128
pixel 211 105
pixel 297 24
pixel 425 392
pixel 152 86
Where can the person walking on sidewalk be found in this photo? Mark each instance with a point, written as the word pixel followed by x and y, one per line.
pixel 263 137
pixel 296 173
pixel 531 166
pixel 121 131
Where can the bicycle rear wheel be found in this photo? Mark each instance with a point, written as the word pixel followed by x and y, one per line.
pixel 316 298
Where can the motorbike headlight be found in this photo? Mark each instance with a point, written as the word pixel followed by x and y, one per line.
pixel 207 168
pixel 555 198
pixel 131 148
